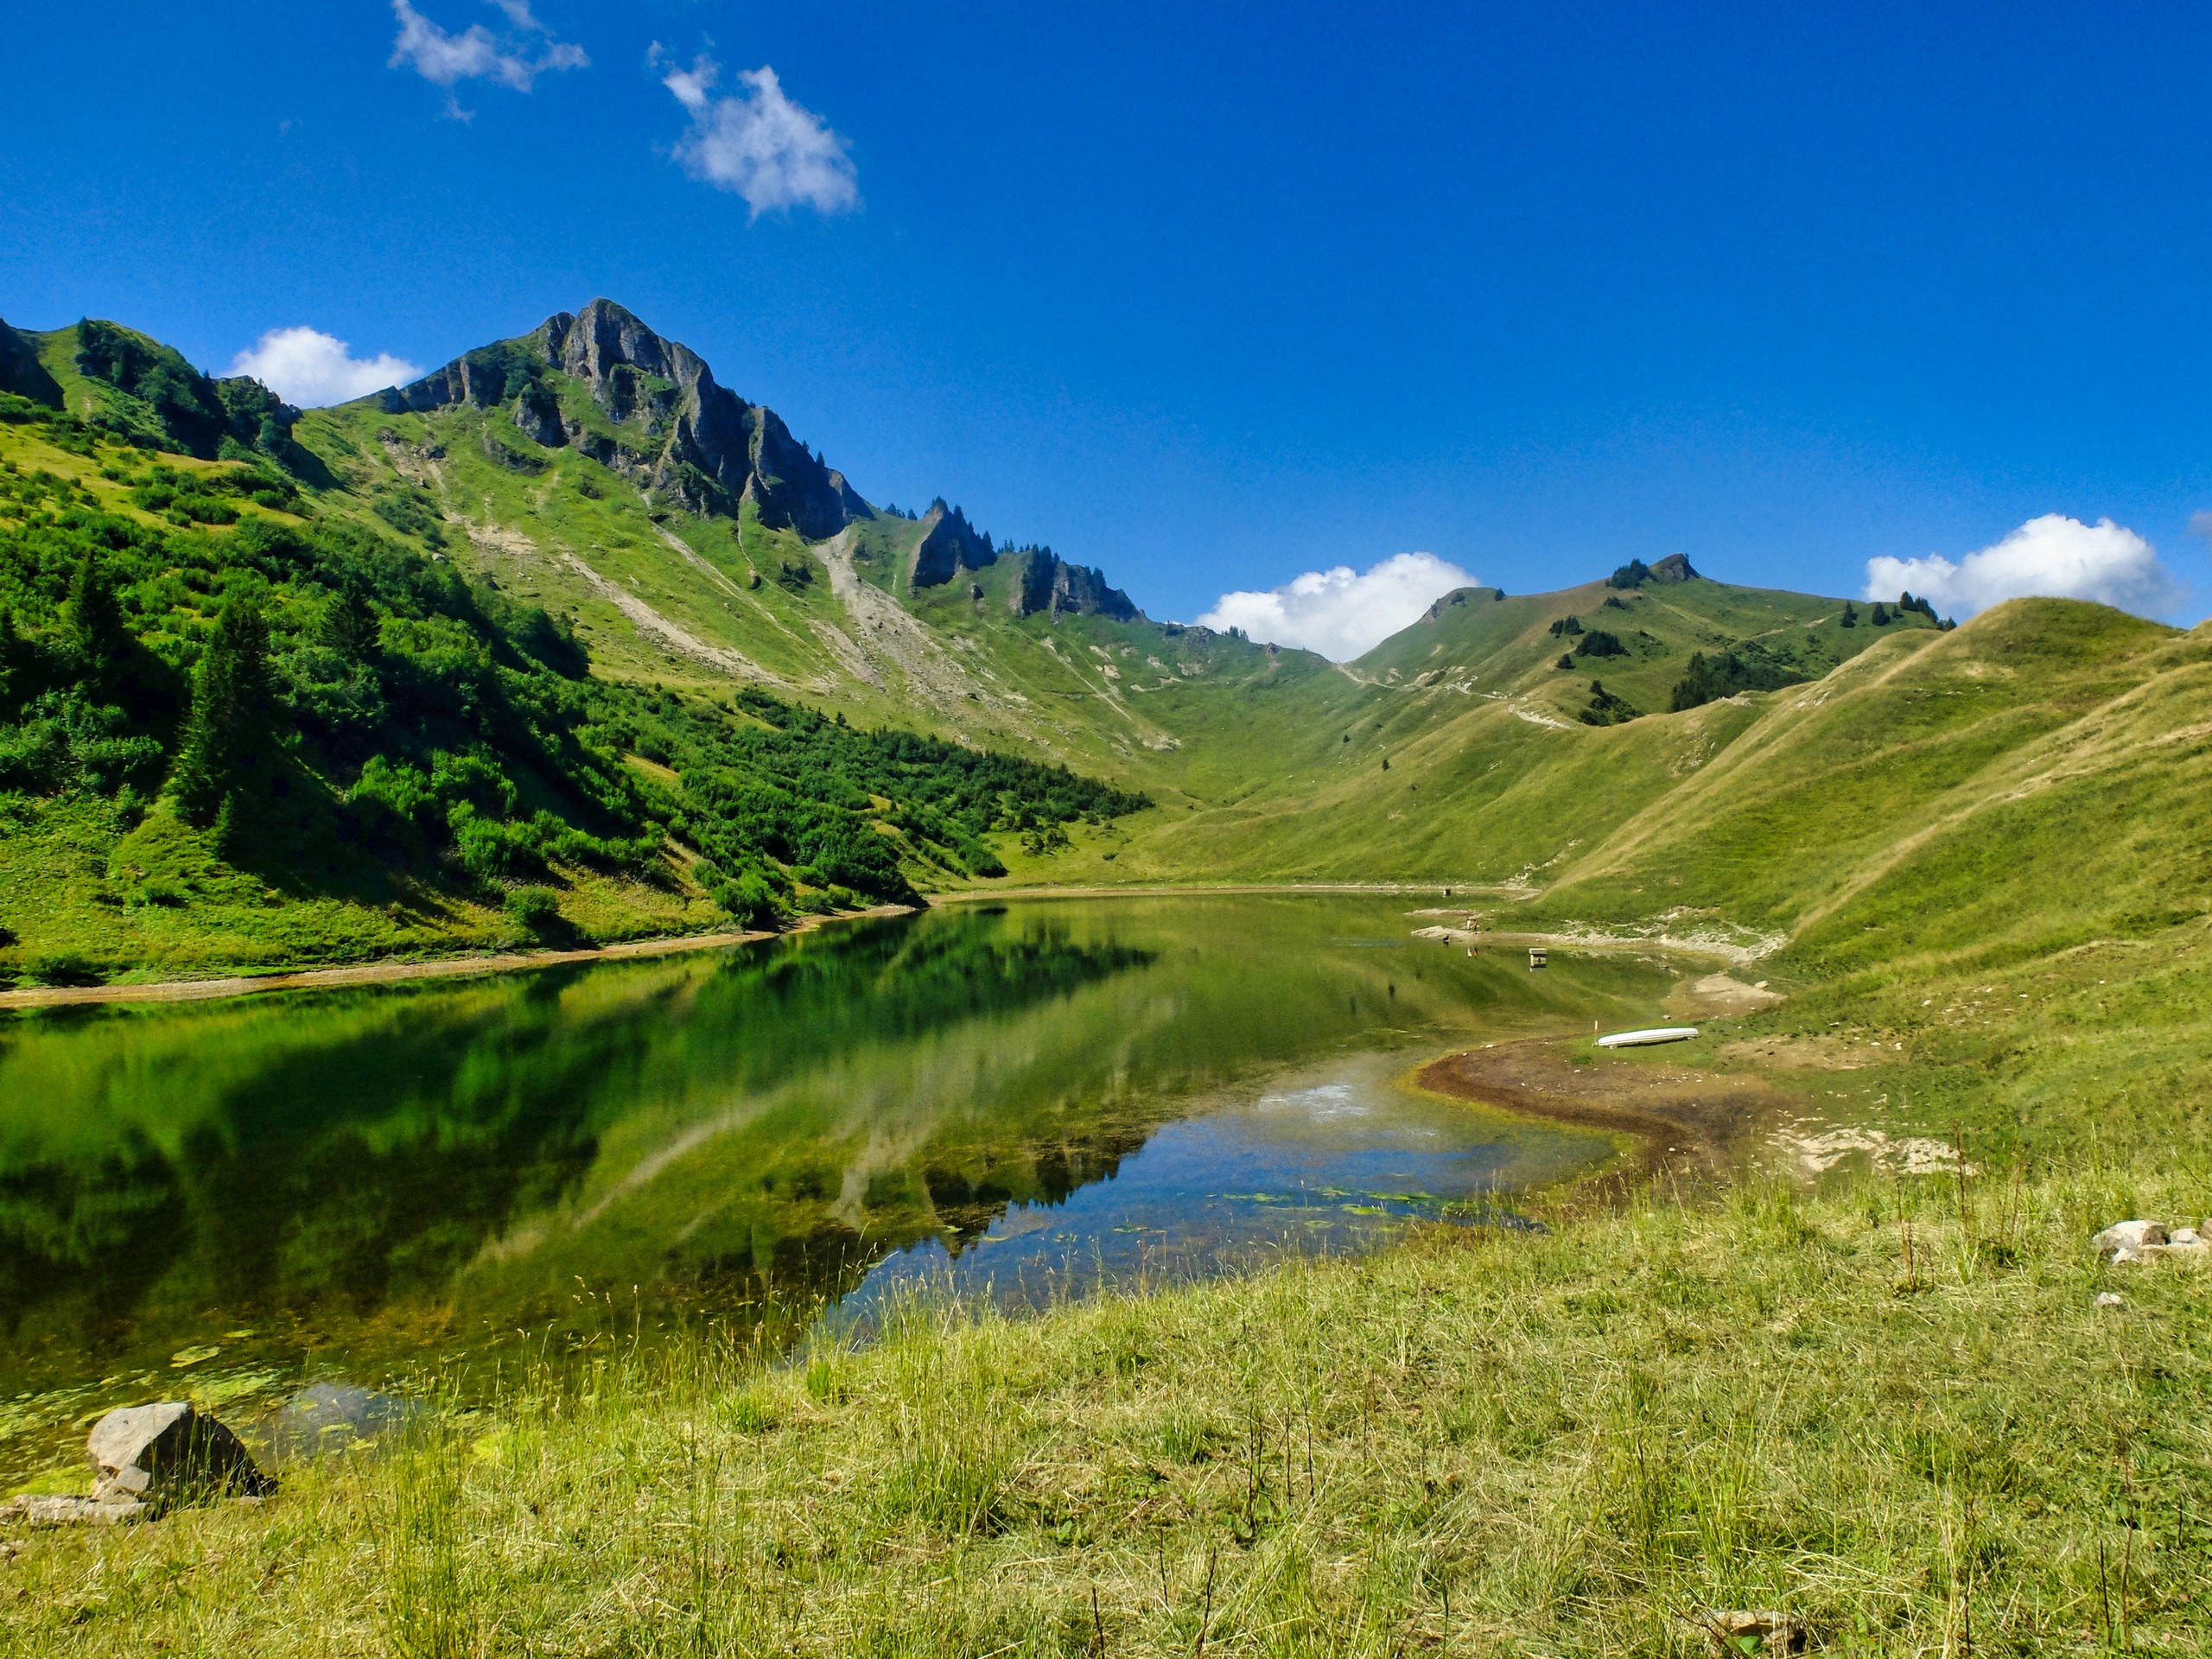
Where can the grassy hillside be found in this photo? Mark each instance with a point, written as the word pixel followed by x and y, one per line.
pixel 247 720
pixel 1754 766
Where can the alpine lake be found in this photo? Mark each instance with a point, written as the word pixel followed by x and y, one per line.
pixel 368 1188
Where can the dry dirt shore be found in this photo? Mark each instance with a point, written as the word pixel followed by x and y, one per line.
pixel 1681 1120
pixel 379 973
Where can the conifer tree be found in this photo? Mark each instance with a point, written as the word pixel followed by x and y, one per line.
pixel 230 697
pixel 97 630
pixel 349 626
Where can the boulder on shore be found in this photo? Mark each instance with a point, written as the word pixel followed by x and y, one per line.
pixel 146 1458
pixel 169 1454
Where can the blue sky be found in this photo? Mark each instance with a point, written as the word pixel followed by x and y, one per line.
pixel 1214 296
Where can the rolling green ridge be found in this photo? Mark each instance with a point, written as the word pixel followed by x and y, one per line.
pixel 1655 751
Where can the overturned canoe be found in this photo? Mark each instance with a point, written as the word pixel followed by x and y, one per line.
pixel 1641 1038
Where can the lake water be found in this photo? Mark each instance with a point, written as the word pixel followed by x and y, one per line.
pixel 229 1200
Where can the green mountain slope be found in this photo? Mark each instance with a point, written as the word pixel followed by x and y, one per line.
pixel 2030 781
pixel 136 388
pixel 1656 749
pixel 248 717
pixel 601 469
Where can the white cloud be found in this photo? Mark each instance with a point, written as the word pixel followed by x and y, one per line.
pixel 1337 614
pixel 476 54
pixel 2054 555
pixel 310 368
pixel 760 145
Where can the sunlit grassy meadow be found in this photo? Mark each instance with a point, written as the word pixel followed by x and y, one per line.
pixel 1477 1443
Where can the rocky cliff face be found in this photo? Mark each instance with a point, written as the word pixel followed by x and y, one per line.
pixel 950 544
pixel 678 434
pixel 1044 582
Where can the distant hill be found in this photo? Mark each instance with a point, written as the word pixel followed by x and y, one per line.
pixel 660 581
pixel 125 384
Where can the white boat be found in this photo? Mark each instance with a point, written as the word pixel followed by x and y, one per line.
pixel 1644 1038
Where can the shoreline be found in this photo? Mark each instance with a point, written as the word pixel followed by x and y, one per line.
pixel 1736 955
pixel 392 970
pixel 1175 890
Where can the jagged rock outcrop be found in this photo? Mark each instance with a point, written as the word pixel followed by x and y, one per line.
pixel 658 417
pixel 1676 567
pixel 1043 581
pixel 537 416
pixel 950 544
pixel 677 434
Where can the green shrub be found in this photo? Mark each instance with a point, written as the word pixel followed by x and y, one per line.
pixel 1607 709
pixel 1043 841
pixel 535 910
pixel 1725 673
pixel 63 967
pixel 750 901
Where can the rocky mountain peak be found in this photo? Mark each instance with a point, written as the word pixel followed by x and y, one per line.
pixel 680 436
pixel 601 382
pixel 950 544
pixel 610 350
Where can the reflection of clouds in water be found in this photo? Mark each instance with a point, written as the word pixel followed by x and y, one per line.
pixel 1347 1105
pixel 1323 1102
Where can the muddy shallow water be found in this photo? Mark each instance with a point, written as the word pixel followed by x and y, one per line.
pixel 230 1201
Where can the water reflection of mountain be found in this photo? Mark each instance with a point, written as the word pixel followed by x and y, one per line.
pixel 411 1172
pixel 311 1164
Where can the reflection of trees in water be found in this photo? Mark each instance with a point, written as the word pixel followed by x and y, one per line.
pixel 948 1194
pixel 374 1144
pixel 967 1201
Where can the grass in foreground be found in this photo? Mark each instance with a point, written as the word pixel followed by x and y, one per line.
pixel 1475 1443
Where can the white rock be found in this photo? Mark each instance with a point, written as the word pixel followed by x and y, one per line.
pixel 2125 1241
pixel 42 1510
pixel 2108 1299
